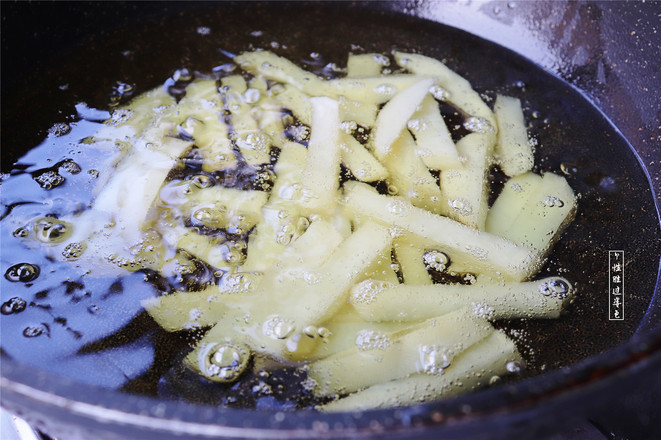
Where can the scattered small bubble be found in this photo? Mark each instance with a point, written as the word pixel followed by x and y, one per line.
pixel 59 129
pixel 439 93
pixel 434 359
pixel 551 201
pixel 203 30
pixel 557 288
pixel 372 340
pixel 478 125
pixel 73 251
pixel 513 367
pixel 49 179
pixel 35 330
pixel 461 206
pixel 386 89
pixel 435 260
pixel 278 327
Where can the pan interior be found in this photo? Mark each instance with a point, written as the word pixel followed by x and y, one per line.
pixel 80 336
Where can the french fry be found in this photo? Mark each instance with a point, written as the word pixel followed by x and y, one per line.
pixel 544 216
pixel 485 252
pixel 410 176
pixel 360 161
pixel 406 302
pixel 428 347
pixel 409 256
pixel 434 143
pixel 366 64
pixel 513 149
pixel 465 190
pixel 322 165
pixel 471 369
pixel 394 116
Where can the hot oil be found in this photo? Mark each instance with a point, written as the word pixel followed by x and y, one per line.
pixel 93 328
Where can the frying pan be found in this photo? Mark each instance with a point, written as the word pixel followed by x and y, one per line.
pixel 607 55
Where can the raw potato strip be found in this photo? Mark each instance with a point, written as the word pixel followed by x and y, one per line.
pixel 384 269
pixel 268 114
pixel 147 110
pixel 434 142
pixel 470 370
pixel 240 210
pixel 513 149
pixel 409 256
pixel 312 248
pixel 366 64
pixel 297 102
pixel 461 92
pixel 405 302
pixel 484 252
pixel 394 116
pixel 275 326
pixel 344 326
pixel 188 310
pixel 253 144
pixel 359 160
pixel 373 90
pixel 362 365
pixel 322 166
pixel 465 190
pixel 362 113
pixel 281 214
pixel 510 202
pixel 544 216
pixel 410 176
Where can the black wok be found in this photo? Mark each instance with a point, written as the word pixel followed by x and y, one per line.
pixel 607 52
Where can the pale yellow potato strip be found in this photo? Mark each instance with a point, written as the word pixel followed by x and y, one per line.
pixel 510 202
pixel 484 252
pixel 465 190
pixel 362 113
pixel 322 165
pixel 404 302
pixel 409 256
pixel 461 92
pixel 403 353
pixel 410 176
pixel 360 161
pixel 365 64
pixel 513 149
pixel 432 137
pixel 469 371
pixel 394 116
pixel 545 215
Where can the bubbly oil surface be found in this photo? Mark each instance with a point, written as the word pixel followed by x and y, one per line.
pixel 89 324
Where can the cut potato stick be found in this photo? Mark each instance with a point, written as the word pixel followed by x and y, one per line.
pixel 461 93
pixel 188 310
pixel 253 144
pixel 312 248
pixel 513 149
pixel 362 164
pixel 322 165
pixel 434 143
pixel 228 208
pixel 365 64
pixel 510 202
pixel 297 102
pixel 405 302
pixel 471 369
pixel 317 292
pixel 409 256
pixel 373 90
pixel 485 252
pixel 362 113
pixel 340 332
pixel 429 347
pixel 544 216
pixel 281 214
pixel 410 176
pixel 394 116
pixel 465 190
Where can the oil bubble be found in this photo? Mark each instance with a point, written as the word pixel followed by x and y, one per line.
pixel 73 251
pixel 513 367
pixel 372 340
pixel 278 327
pixel 36 330
pixel 223 362
pixel 22 272
pixel 434 359
pixel 558 288
pixel 49 179
pixel 14 305
pixel 51 230
pixel 436 260
pixel 478 125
